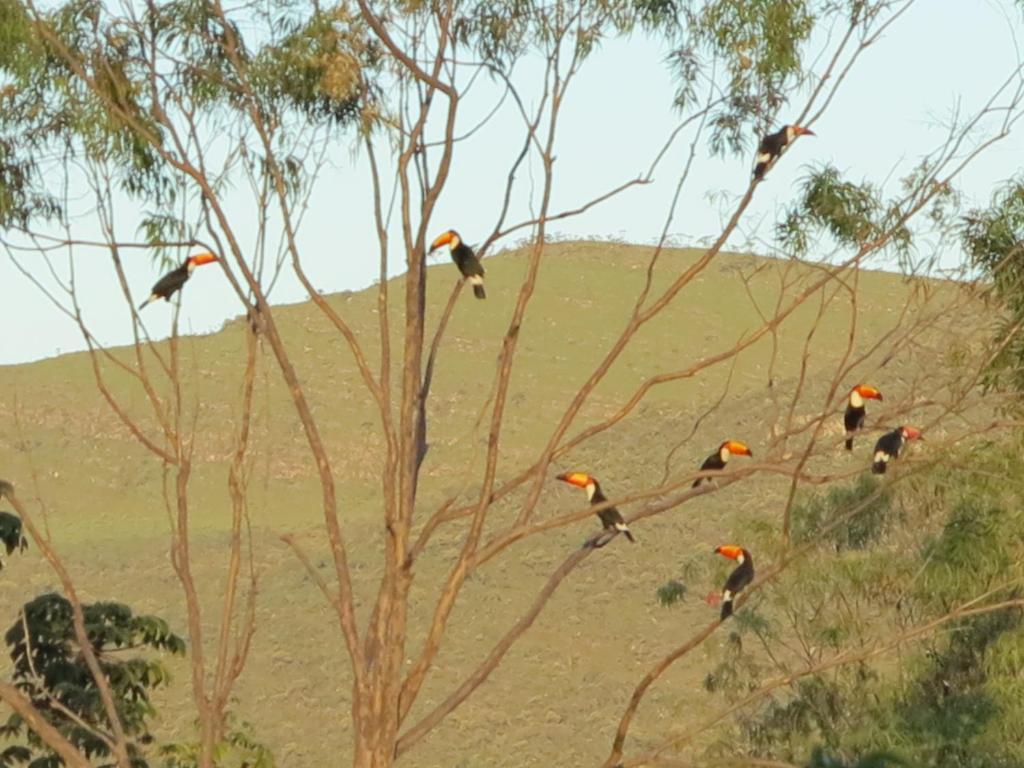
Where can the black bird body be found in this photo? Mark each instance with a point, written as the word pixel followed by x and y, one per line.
pixel 890 445
pixel 717 460
pixel 714 462
pixel 856 413
pixel 470 267
pixel 741 576
pixel 169 284
pixel 853 420
pixel 172 282
pixel 773 144
pixel 611 518
pixel 468 264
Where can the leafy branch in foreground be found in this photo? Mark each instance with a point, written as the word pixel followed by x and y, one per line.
pixel 50 671
pixel 854 215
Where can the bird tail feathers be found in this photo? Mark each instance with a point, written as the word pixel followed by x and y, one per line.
pixel 726 609
pixel 624 529
pixel 477 282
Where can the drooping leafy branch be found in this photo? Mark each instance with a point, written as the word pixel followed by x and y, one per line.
pixel 994 239
pixel 853 215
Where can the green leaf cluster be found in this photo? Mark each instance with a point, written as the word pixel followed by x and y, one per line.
pixel 238 749
pixel 50 670
pixel 993 238
pixel 814 518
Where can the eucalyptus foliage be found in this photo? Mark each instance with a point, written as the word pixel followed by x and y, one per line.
pixel 855 216
pixel 994 239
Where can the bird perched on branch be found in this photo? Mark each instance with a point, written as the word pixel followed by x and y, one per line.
pixel 890 444
pixel 467 262
pixel 741 576
pixel 172 282
pixel 773 144
pixel 718 459
pixel 853 419
pixel 610 517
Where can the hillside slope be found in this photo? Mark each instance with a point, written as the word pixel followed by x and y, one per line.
pixel 560 690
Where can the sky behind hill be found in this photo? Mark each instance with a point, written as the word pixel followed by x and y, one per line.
pixel 941 56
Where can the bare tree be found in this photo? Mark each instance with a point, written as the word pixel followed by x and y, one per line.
pixel 187 101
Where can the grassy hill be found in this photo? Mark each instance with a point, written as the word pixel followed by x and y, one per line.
pixel 561 689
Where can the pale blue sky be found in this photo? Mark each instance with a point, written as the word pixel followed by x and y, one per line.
pixel 890 112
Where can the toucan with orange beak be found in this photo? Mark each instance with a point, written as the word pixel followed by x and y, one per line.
pixel 172 282
pixel 855 414
pixel 773 145
pixel 717 460
pixel 890 444
pixel 467 262
pixel 610 517
pixel 741 576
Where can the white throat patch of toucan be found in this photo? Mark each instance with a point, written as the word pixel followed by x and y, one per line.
pixel 740 558
pixel 724 453
pixel 790 133
pixel 591 489
pixel 191 266
pixel 454 242
pixel 856 400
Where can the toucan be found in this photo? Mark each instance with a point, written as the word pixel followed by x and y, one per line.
pixel 741 576
pixel 890 444
pixel 718 459
pixel 170 283
pixel 853 419
pixel 772 145
pixel 467 262
pixel 611 518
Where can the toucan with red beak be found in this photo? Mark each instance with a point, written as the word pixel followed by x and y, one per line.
pixel 467 262
pixel 610 517
pixel 853 419
pixel 171 283
pixel 890 444
pixel 773 145
pixel 741 576
pixel 717 460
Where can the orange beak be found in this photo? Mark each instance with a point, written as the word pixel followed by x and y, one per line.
pixel 203 258
pixel 442 240
pixel 739 449
pixel 579 479
pixel 912 433
pixel 800 131
pixel 729 550
pixel 869 392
